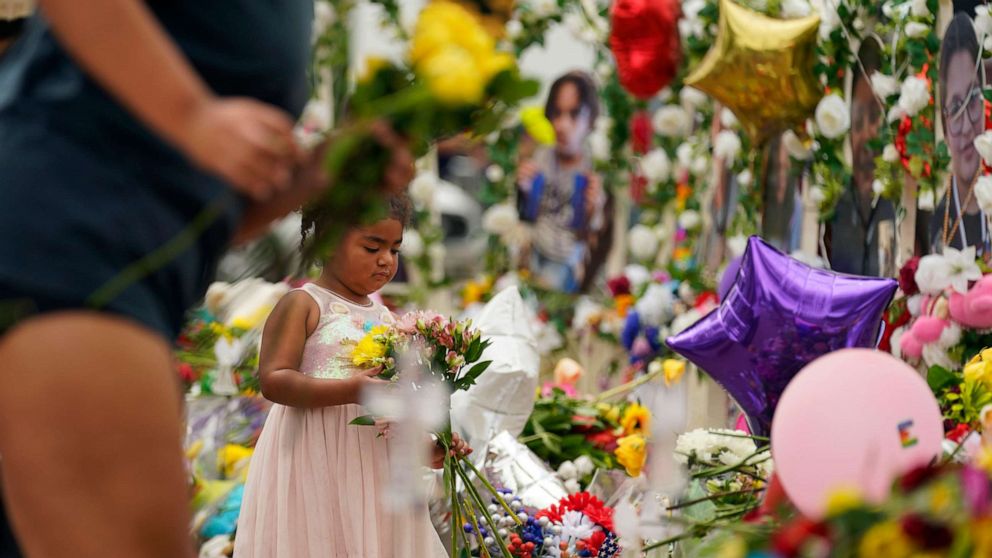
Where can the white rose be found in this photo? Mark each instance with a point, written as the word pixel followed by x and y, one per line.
pixel 584 465
pixel 919 8
pixel 895 12
pixel 916 30
pixel 514 28
pixel 983 193
pixel 877 187
pixel 638 275
pixel 795 8
pixel 544 8
pixel 737 244
pixel 567 470
pixel 895 113
pixel 604 70
pixel 859 24
pixel 500 219
pixel 832 116
pixel 727 118
pixel 574 22
pixel 884 85
pixel 655 306
pixel 933 274
pixel 686 292
pixel 599 146
pixel 890 154
pixel 689 219
pixel 926 201
pixel 692 98
pixel 795 146
pixel 700 165
pixel 494 173
pixel 691 9
pixel 656 166
pixel 671 121
pixel 665 95
pixel 983 144
pixel 818 194
pixel 643 242
pixel 413 244
pixel 422 189
pixel 691 28
pixel 745 178
pixel 683 153
pixel 829 20
pixel 914 95
pixel 727 146
pixel 983 21
pixel 572 486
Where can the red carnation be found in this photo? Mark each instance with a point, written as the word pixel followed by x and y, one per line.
pixel 640 133
pixel 958 433
pixel 595 541
pixel 907 277
pixel 187 373
pixel 605 440
pixel 619 286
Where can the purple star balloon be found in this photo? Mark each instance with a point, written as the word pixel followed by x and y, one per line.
pixel 779 315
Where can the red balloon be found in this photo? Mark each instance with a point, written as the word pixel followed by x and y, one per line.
pixel 645 42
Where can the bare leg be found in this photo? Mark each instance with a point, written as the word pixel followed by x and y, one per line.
pixel 90 438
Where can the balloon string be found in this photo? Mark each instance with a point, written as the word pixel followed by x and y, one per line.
pixel 850 43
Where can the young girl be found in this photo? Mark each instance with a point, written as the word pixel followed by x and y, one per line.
pixel 315 483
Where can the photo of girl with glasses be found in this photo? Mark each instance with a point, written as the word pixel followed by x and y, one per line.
pixel 958 222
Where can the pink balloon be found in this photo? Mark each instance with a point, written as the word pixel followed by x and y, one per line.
pixel 854 418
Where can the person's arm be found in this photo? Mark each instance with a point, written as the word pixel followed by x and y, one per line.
pixel 122 46
pixel 283 339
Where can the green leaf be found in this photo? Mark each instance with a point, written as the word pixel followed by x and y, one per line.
pixel 364 420
pixel 939 378
pixel 473 374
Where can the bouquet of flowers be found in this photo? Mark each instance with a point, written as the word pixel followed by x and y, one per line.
pixel 578 525
pixel 210 354
pixel 934 511
pixel 452 79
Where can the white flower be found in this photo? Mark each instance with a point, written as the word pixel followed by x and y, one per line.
pixel 604 70
pixel 983 21
pixel 829 19
pixel 572 486
pixel 691 28
pixel 686 292
pixel 656 166
pixel 895 12
pixel 832 117
pixel 877 187
pixel 638 275
pixel 700 165
pixel 919 8
pixel 818 194
pixel 576 525
pixel 422 189
pixel 727 146
pixel 745 178
pixel 683 153
pixel 983 193
pixel 599 146
pixel 692 98
pixel 983 144
pixel 656 367
pixel 655 306
pixel 727 118
pixel 934 355
pixel 890 154
pixel 961 268
pixel 926 201
pixel 684 320
pixel 544 8
pixel 217 547
pixel 914 304
pixel 494 173
pixel 643 242
pixel 950 337
pixel 795 146
pixel 895 113
pixel 574 23
pixel 916 30
pixel 859 24
pixel 689 219
pixel 413 244
pixel 567 470
pixel 914 95
pixel 323 17
pixel 933 274
pixel 884 85
pixel 514 28
pixel 894 346
pixel 500 219
pixel 671 121
pixel 794 8
pixel 584 465
pixel 737 244
pixel 585 310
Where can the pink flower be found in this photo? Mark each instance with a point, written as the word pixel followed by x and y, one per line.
pixel 548 388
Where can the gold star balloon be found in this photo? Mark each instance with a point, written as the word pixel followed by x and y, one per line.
pixel 761 69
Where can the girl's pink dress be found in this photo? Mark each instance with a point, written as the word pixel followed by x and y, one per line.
pixel 316 485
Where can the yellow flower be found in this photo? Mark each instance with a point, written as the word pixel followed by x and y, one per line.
pixel 453 76
pixel 367 352
pixel 984 459
pixel 842 500
pixel 986 354
pixel 253 320
pixel 980 371
pixel 631 453
pixel 372 66
pixel 537 125
pixel 609 412
pixel 474 291
pixel 733 548
pixel 674 369
pixel 233 459
pixel 981 532
pixel 885 539
pixel 219 329
pixel 636 419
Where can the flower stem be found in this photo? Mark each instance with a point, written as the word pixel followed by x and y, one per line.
pixel 713 497
pixel 629 386
pixel 495 493
pixel 474 494
pixel 475 525
pixel 456 522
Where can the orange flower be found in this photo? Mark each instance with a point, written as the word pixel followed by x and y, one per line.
pixel 623 302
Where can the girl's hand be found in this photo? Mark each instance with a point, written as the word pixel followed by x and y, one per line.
pixel 459 449
pixel 363 380
pixel 246 142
